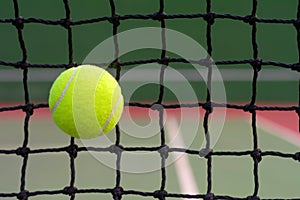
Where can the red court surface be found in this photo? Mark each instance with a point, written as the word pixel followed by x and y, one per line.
pixel 281 123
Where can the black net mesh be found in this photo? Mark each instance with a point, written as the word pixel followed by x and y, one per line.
pixel 73 150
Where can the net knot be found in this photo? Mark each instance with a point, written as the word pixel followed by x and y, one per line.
pixel 296 67
pixel 297 156
pixel 251 19
pixel 249 108
pixel 160 194
pixel 256 64
pixel 164 61
pixel 23 151
pixel 28 109
pixel 296 23
pixel 23 64
pixel 117 193
pixel 209 196
pixel 157 106
pixel 253 198
pixel 72 64
pixel 115 64
pixel 117 149
pixel 115 19
pixel 70 190
pixel 205 152
pixel 23 195
pixel 210 18
pixel 159 16
pixel 72 150
pixel 66 23
pixel 164 151
pixel 298 111
pixel 207 62
pixel 256 155
pixel 19 22
pixel 207 106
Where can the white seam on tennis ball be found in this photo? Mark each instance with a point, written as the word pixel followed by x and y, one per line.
pixel 65 90
pixel 111 115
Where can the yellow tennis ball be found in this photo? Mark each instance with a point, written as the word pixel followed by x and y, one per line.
pixel 86 101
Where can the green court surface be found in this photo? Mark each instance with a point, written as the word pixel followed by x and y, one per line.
pixel 230 40
pixel 231 175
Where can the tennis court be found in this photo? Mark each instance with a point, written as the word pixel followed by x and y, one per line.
pixel 160 149
pixel 231 175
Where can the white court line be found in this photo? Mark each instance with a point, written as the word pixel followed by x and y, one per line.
pixel 146 74
pixel 278 130
pixel 183 168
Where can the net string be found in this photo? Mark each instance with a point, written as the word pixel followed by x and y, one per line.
pixel 256 68
pixel 208 107
pixel 23 151
pixel 118 190
pixel 297 26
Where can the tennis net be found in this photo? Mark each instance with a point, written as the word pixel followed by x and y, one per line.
pixel 161 17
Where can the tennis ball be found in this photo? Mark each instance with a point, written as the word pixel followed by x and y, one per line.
pixel 86 101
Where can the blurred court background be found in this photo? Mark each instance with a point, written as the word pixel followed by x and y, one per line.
pixel 231 40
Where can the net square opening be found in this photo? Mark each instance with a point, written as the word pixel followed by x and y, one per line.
pixel 276 85
pixel 231 40
pixel 177 6
pixel 86 37
pixel 93 172
pixel 10 172
pixel 89 9
pixel 234 7
pixel 280 9
pixel 42 9
pixel 45 44
pixel 276 42
pixel 6 9
pixel 9 39
pixel 48 172
pixel 140 7
pixel 140 171
pixel 233 176
pixel 283 183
